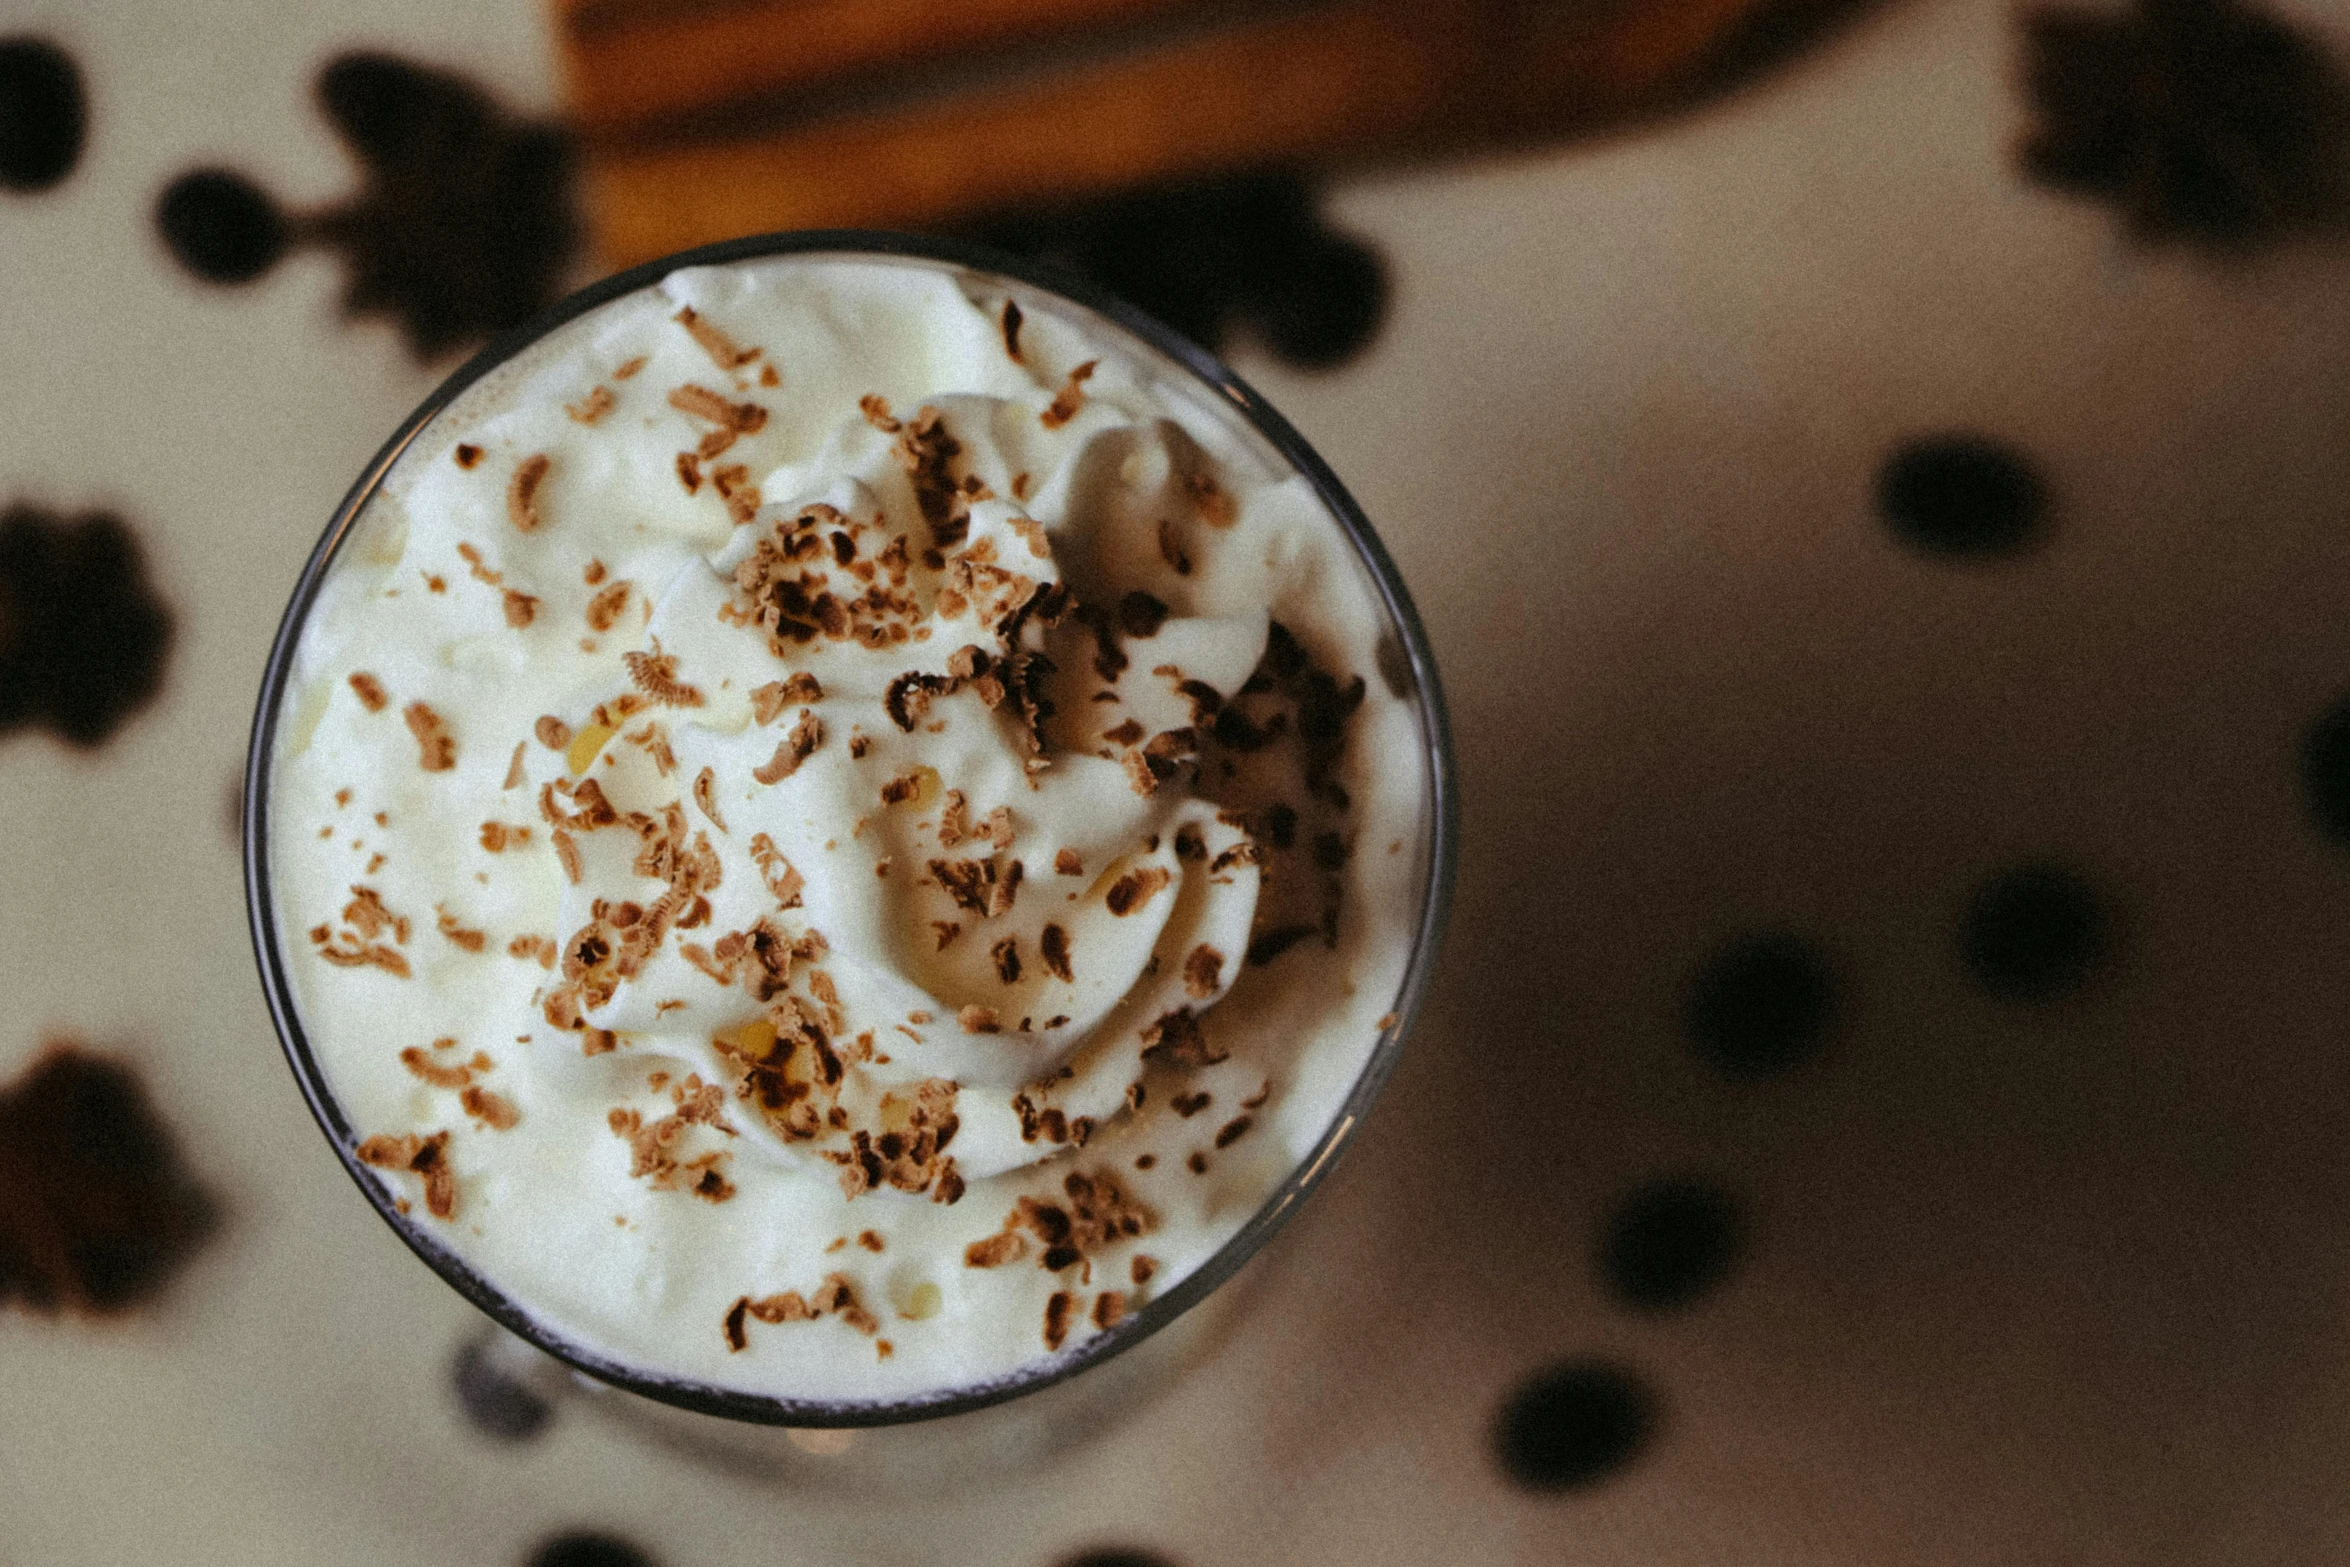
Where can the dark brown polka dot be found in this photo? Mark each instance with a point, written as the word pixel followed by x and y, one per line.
pixel 97 1209
pixel 1573 1426
pixel 44 114
pixel 495 1402
pixel 221 226
pixel 1323 302
pixel 1668 1243
pixel 2202 120
pixel 463 225
pixel 587 1548
pixel 1220 260
pixel 2034 933
pixel 2325 770
pixel 82 635
pixel 1761 1005
pixel 1960 496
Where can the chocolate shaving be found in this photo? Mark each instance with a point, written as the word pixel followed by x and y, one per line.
pixel 722 349
pixel 1053 945
pixel 1175 1038
pixel 433 741
pixel 953 825
pixel 655 674
pixel 469 940
pixel 996 1250
pixel 1161 758
pixel 652 1146
pixel 769 701
pixel 522 492
pixel 1097 1215
pixel 1137 887
pixel 1006 954
pixel 1202 972
pixel 1006 888
pixel 426 1067
pixel 653 740
pixel 926 451
pixel 370 691
pixel 706 796
pixel 734 487
pixel 1057 1312
pixel 733 418
pixel 594 406
pixel 1244 852
pixel 603 611
pixel 836 1296
pixel 538 947
pixel 356 947
pixel 493 1110
pixel 783 881
pixel 568 853
pixel 1070 398
pixel 424 1156
pixel 792 750
pixel 1011 326
pixel 467 454
pixel 978 885
pixel 908 697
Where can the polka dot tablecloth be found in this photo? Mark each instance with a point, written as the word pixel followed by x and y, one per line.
pixel 1887 537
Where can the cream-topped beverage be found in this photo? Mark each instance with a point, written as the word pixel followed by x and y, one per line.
pixel 835 827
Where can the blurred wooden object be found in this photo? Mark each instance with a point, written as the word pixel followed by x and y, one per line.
pixel 706 119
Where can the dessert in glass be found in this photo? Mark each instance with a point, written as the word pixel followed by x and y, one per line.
pixel 838 832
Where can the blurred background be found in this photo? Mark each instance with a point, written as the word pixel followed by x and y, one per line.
pixel 1875 477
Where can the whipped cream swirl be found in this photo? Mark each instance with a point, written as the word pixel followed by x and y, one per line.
pixel 835 829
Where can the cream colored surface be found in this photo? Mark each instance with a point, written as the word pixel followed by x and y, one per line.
pixel 2063 1289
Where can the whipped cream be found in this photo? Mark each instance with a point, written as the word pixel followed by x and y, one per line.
pixel 836 827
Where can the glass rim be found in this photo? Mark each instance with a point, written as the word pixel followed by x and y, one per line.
pixel 1442 811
